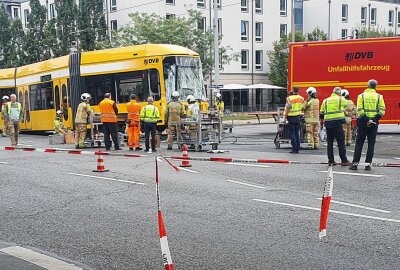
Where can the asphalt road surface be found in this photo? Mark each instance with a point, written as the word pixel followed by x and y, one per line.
pixel 58 214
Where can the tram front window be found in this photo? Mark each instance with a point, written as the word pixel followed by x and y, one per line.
pixel 184 74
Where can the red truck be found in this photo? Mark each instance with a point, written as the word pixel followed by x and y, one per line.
pixel 349 64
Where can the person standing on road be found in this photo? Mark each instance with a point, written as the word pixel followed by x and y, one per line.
pixel 133 121
pixel 4 129
pixel 332 112
pixel 173 113
pixel 81 119
pixel 293 116
pixel 13 114
pixel 150 115
pixel 311 117
pixel 219 105
pixel 109 111
pixel 350 113
pixel 370 109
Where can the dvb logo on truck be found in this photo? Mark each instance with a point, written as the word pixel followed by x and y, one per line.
pixel 351 56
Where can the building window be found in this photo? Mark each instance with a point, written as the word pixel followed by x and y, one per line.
pixel 391 15
pixel 244 5
pixel 344 33
pixel 218 3
pixel 26 15
pixel 373 16
pixel 113 5
pixel 169 16
pixel 52 11
pixel 258 5
pixel 398 19
pixel 219 25
pixel 202 24
pixel 283 7
pixel 283 30
pixel 363 15
pixel 114 27
pixel 15 13
pixel 345 9
pixel 170 2
pixel 245 30
pixel 259 31
pixel 245 59
pixel 201 3
pixel 259 60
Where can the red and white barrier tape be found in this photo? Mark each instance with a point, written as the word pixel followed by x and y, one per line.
pixel 326 201
pixel 212 159
pixel 71 151
pixel 166 254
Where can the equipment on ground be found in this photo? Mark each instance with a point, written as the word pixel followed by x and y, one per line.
pixel 282 133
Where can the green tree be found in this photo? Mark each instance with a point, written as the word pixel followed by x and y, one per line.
pixel 374 32
pixel 92 25
pixel 317 34
pixel 5 36
pixel 52 43
pixel 36 49
pixel 184 31
pixel 17 41
pixel 67 13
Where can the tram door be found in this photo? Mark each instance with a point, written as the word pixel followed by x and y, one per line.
pixel 62 101
pixel 23 98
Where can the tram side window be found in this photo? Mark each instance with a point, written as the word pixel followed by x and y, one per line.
pixel 41 96
pixel 99 85
pixel 154 84
pixel 132 83
pixel 7 92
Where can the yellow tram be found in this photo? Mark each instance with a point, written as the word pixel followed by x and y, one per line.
pixel 145 70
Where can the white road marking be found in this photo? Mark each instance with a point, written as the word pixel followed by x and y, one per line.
pixel 397 158
pixel 38 259
pixel 331 211
pixel 245 184
pixel 355 174
pixel 248 165
pixel 26 145
pixel 107 178
pixel 3 162
pixel 358 206
pixel 184 169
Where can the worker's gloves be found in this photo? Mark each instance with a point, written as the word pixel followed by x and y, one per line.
pixel 371 123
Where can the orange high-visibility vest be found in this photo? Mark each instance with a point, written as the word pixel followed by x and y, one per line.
pixel 133 108
pixel 107 111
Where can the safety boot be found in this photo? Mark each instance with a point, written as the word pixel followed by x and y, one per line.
pixel 354 166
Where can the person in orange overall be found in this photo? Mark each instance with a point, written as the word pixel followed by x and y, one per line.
pixel 109 112
pixel 133 122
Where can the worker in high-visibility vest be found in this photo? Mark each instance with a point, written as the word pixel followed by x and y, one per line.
pixel 109 112
pixel 219 105
pixel 58 123
pixel 370 109
pixel 293 116
pixel 332 112
pixel 133 122
pixel 310 108
pixel 350 113
pixel 173 113
pixel 4 130
pixel 13 114
pixel 150 115
pixel 83 112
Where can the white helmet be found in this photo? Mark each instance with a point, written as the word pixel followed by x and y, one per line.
pixel 218 95
pixel 86 96
pixel 345 92
pixel 190 98
pixel 59 112
pixel 311 90
pixel 5 98
pixel 337 90
pixel 175 94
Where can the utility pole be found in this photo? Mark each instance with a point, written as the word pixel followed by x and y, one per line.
pixel 216 44
pixel 329 19
pixel 292 23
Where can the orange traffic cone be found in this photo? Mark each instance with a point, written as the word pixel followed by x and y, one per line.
pixel 185 162
pixel 100 162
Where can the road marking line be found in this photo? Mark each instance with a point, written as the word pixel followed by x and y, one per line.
pixel 397 158
pixel 330 211
pixel 184 169
pixel 356 174
pixel 358 206
pixel 245 184
pixel 3 162
pixel 107 178
pixel 41 260
pixel 247 165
